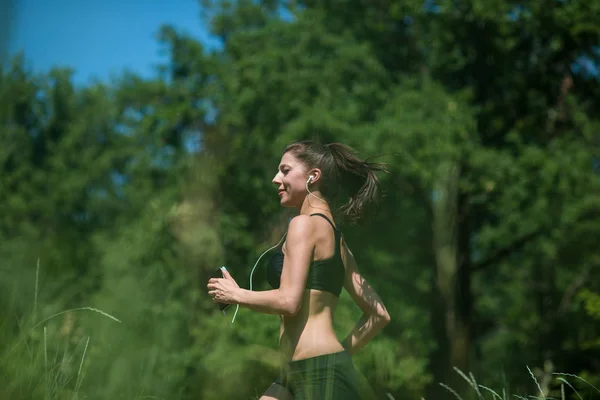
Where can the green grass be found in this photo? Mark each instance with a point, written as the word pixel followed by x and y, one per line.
pixel 479 390
pixel 43 363
pixel 21 361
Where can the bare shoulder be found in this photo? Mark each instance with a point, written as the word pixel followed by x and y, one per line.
pixel 300 229
pixel 301 224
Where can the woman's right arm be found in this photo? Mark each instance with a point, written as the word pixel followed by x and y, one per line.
pixel 375 315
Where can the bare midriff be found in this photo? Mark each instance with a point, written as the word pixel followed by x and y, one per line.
pixel 310 333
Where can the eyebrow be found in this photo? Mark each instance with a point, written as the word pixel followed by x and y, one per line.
pixel 283 165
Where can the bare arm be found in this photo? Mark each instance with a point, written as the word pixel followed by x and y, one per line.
pixel 287 299
pixel 375 315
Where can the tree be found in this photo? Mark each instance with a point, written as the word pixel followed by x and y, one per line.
pixel 483 248
pixel 502 121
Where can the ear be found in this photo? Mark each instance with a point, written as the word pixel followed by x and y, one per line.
pixel 316 174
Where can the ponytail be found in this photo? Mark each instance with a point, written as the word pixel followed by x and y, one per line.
pixel 357 181
pixel 345 178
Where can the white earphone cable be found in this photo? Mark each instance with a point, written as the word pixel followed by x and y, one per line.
pixel 237 307
pixel 311 193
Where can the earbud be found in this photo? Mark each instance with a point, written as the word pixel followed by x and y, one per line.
pixel 310 178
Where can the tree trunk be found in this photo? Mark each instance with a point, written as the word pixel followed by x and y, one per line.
pixel 451 289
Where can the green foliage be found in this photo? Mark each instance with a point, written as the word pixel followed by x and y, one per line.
pixel 130 194
pixel 592 303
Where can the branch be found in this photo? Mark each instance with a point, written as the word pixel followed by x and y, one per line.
pixel 559 112
pixel 573 288
pixel 522 241
pixel 503 253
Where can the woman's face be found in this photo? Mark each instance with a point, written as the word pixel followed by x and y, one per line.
pixel 291 181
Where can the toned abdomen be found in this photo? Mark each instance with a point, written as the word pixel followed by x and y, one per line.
pixel 310 332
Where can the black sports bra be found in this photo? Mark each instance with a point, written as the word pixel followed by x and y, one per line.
pixel 327 275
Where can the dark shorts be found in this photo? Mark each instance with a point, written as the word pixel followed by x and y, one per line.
pixel 326 377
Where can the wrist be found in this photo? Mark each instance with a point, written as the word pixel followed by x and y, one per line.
pixel 238 296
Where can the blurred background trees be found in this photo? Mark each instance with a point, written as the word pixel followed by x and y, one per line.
pixel 131 193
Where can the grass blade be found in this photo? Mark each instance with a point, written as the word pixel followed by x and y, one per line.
pixel 475 386
pixel 448 388
pixel 78 309
pixel 571 386
pixel 575 376
pixel 35 296
pixel 78 381
pixel 536 382
pixel 45 365
pixel 491 391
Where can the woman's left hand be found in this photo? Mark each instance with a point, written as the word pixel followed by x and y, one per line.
pixel 223 290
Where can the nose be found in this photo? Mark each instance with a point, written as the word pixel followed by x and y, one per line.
pixel 276 179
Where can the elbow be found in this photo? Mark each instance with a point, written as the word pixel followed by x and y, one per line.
pixel 383 319
pixel 288 313
pixel 386 319
pixel 290 307
pixel 290 310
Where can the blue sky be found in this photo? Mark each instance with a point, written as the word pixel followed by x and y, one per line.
pixel 99 38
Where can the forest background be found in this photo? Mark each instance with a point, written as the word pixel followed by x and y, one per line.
pixel 118 200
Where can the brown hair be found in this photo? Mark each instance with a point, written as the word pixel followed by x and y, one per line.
pixel 347 182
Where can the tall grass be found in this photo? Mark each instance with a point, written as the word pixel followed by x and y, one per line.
pixel 43 362
pixel 479 391
pixel 27 371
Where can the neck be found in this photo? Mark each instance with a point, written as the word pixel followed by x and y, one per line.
pixel 314 204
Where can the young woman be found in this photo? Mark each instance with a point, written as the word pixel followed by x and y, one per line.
pixel 307 273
